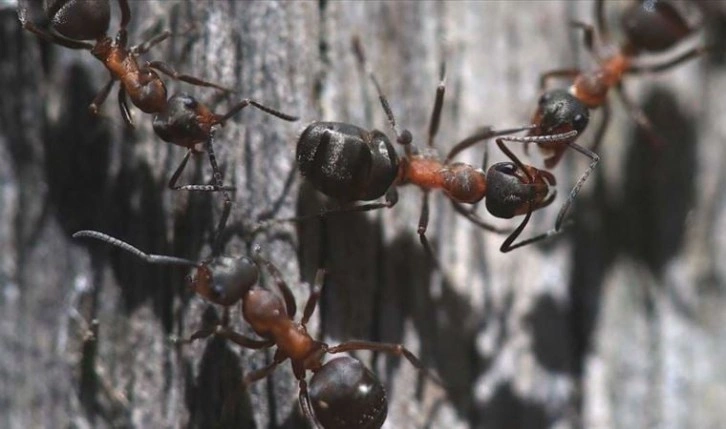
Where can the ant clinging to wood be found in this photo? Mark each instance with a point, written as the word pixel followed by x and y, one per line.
pixel 71 23
pixel 186 122
pixel 349 164
pixel 564 110
pixel 342 392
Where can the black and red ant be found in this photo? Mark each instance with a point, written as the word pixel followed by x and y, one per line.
pixel 70 23
pixel 349 164
pixel 342 393
pixel 559 111
pixel 186 122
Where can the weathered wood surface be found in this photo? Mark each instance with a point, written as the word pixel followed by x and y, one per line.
pixel 616 324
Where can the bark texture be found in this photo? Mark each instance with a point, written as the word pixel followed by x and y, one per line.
pixel 616 324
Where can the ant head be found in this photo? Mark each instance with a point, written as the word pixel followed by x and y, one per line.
pixel 179 122
pixel 346 394
pixel 510 190
pixel 225 280
pixel 81 19
pixel 653 30
pixel 559 111
pixel 262 309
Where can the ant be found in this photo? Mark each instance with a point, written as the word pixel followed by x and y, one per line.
pixel 342 393
pixel 349 164
pixel 560 111
pixel 73 22
pixel 186 122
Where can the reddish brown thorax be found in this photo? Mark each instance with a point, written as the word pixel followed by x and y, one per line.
pixel 592 87
pixel 461 182
pixel 145 88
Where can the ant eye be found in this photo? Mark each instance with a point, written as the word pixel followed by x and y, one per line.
pixel 190 103
pixel 579 122
pixel 546 97
pixel 507 168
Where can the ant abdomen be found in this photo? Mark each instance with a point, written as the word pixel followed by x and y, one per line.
pixel 81 19
pixel 225 280
pixel 346 394
pixel 346 162
pixel 653 30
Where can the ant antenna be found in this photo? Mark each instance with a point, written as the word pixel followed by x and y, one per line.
pixel 150 258
pixel 404 137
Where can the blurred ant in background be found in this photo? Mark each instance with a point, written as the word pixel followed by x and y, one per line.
pixel 70 23
pixel 559 110
pixel 349 164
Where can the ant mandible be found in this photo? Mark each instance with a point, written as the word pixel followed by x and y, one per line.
pixel 563 110
pixel 349 164
pixel 73 22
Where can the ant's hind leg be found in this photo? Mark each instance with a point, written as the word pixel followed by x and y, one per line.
pixel 390 348
pixel 101 97
pixel 169 71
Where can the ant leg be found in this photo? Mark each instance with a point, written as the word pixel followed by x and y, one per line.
pixel 600 21
pixel 56 38
pixel 588 36
pixel 594 159
pixel 249 102
pixel 262 372
pixel 390 348
pixel 476 220
pixel 201 333
pixel 279 281
pixel 169 71
pixel 304 399
pixel 600 132
pixel 125 13
pixel 243 341
pixel 193 188
pixel 404 137
pixel 654 68
pixel 438 104
pixel 423 223
pixel 391 200
pixel 125 113
pixel 101 97
pixel 481 134
pixel 507 246
pixel 639 117
pixel 145 46
pixel 314 295
pixel 544 78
